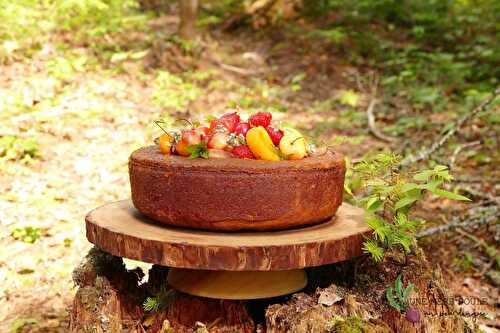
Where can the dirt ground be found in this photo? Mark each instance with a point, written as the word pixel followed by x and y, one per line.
pixel 91 121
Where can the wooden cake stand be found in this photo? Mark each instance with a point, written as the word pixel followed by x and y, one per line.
pixel 242 265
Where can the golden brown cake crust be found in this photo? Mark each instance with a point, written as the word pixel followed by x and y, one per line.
pixel 236 194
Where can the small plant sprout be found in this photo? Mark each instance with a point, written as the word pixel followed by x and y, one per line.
pixel 398 299
pixel 159 301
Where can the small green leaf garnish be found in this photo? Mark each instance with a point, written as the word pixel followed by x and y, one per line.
pixel 198 150
pixel 209 118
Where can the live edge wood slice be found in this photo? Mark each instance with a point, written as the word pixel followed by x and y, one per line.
pixel 121 230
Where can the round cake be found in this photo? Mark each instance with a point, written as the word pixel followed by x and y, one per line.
pixel 234 194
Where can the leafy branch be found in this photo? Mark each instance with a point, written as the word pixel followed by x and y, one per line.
pixel 389 196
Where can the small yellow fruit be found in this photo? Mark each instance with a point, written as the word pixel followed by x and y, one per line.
pixel 293 144
pixel 261 145
pixel 166 141
pixel 181 148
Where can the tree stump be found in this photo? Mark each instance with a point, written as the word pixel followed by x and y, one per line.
pixel 363 307
pixel 110 298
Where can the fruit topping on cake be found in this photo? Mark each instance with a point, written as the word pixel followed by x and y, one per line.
pixel 229 136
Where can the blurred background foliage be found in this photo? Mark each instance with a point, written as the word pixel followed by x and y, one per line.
pixel 428 51
pixel 83 80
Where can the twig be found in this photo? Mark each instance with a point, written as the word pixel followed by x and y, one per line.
pixel 215 322
pixel 239 70
pixel 371 123
pixel 478 179
pixel 457 151
pixel 483 195
pixel 426 152
pixel 479 217
pixel 371 116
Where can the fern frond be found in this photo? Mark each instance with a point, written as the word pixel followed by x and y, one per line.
pixel 399 289
pixel 392 301
pixel 407 292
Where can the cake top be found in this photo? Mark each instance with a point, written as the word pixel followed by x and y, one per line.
pixel 152 157
pixel 229 136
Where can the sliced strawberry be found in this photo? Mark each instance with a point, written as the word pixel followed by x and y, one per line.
pixel 230 121
pixel 260 119
pixel 218 141
pixel 218 153
pixel 242 128
pixel 242 152
pixel 275 134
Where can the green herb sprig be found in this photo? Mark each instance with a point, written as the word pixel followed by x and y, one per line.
pixel 198 150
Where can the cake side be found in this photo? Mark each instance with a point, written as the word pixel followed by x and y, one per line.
pixel 234 194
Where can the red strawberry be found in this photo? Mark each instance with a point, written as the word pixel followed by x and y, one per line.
pixel 230 121
pixel 242 152
pixel 203 131
pixel 217 124
pixel 242 128
pixel 260 119
pixel 275 134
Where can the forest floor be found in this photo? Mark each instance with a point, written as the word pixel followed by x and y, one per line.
pixel 81 118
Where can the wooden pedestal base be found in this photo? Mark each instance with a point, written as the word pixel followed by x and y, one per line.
pixel 237 285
